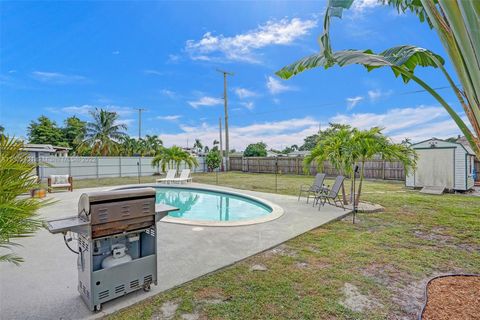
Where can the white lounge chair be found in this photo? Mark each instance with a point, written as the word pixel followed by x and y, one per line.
pixel 184 176
pixel 170 177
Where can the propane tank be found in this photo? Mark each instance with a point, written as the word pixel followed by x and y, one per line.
pixel 118 256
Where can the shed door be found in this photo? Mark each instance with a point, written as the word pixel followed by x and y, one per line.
pixel 435 168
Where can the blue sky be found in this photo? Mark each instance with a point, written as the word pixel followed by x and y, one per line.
pixel 65 58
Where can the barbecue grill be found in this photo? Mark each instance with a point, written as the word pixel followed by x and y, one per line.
pixel 117 242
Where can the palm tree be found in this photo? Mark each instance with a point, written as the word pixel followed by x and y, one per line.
pixel 153 145
pixel 206 149
pixel 18 217
pixel 128 145
pixel 104 133
pixel 173 157
pixel 347 147
pixel 457 23
pixel 198 145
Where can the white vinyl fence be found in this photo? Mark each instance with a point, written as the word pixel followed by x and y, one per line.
pixel 103 167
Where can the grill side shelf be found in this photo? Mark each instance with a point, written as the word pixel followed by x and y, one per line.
pixel 162 210
pixel 73 223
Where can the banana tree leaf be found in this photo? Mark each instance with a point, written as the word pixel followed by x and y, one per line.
pixel 407 57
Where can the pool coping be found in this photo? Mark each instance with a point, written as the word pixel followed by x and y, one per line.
pixel 277 211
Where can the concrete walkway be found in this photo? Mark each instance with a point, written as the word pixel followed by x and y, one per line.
pixel 45 285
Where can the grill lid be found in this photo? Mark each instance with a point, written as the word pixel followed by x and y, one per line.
pixel 97 197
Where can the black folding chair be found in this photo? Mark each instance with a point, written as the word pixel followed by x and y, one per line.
pixel 315 188
pixel 332 196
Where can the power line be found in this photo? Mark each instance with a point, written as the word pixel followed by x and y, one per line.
pixel 328 104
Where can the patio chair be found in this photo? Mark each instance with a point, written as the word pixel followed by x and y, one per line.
pixel 59 181
pixel 315 188
pixel 170 177
pixel 331 195
pixel 184 176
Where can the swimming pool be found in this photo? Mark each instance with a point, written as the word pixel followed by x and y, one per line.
pixel 201 206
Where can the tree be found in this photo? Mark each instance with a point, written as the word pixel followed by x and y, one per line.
pixel 213 160
pixel 198 145
pixel 258 149
pixel 104 133
pixel 74 131
pixel 2 131
pixel 45 131
pixel 309 143
pixel 206 149
pixel 173 157
pixel 215 145
pixel 456 22
pixel 128 146
pixel 18 216
pixel 347 147
pixel 149 146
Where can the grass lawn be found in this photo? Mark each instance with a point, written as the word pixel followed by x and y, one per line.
pixel 381 263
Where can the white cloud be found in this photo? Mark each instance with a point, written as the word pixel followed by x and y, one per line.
pixel 127 122
pixel 86 108
pixel 56 77
pixel 83 109
pixel 417 123
pixel 168 93
pixel 205 101
pixel 353 101
pixel 241 47
pixel 377 94
pixel 173 58
pixel 243 93
pixel 362 5
pixel 275 134
pixel 275 86
pixel 153 72
pixel 169 118
pixel 116 52
pixel 249 105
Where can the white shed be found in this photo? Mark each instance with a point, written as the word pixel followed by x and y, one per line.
pixel 442 164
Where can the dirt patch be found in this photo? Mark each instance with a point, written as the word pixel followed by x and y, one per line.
pixel 385 274
pixel 440 239
pixel 281 250
pixel 455 297
pixel 409 299
pixel 356 301
pixel 433 235
pixel 406 292
pixel 211 296
pixel 258 267
pixel 167 311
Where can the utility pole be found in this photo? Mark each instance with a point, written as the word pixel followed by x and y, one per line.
pixel 227 150
pixel 221 141
pixel 140 122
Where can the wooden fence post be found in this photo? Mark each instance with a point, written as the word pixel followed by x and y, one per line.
pixel 383 169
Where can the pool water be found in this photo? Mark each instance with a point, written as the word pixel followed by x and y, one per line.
pixel 210 205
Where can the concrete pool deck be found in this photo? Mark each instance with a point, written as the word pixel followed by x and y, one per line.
pixel 45 285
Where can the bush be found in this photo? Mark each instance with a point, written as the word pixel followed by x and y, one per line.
pixel 258 149
pixel 213 159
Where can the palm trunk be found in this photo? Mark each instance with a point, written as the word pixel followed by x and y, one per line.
pixel 362 166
